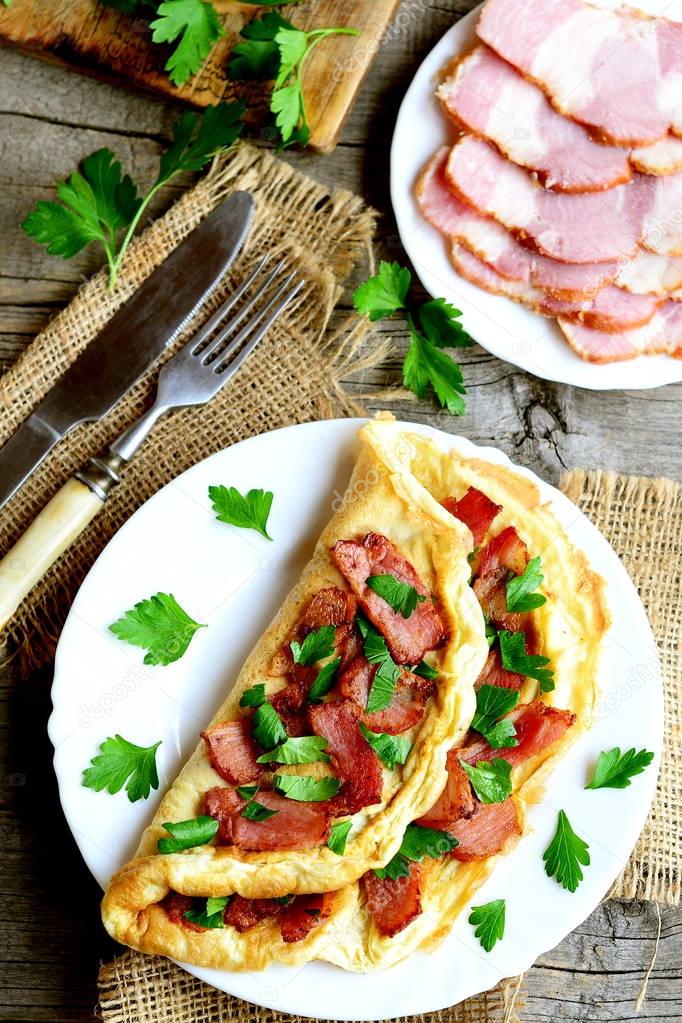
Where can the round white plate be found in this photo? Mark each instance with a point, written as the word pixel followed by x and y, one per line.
pixel 235 580
pixel 503 327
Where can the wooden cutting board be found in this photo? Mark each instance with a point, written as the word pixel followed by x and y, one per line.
pixel 88 36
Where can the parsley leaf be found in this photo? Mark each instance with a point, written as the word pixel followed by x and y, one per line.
pixel 402 597
pixel 338 836
pixel 212 913
pixel 425 670
pixel 306 790
pixel 123 763
pixel 491 703
pixel 564 854
pixel 489 922
pixel 324 680
pixel 304 750
pixel 615 769
pixel 418 842
pixel 254 696
pixel 248 511
pixel 520 596
pixel 98 203
pixel 254 811
pixel 247 791
pixel 385 293
pixel 196 26
pixel 515 658
pixel 158 625
pixel 491 779
pixel 258 57
pixel 315 647
pixel 188 834
pixel 267 727
pixel 427 366
pixel 391 749
pixel 388 672
pixel 440 323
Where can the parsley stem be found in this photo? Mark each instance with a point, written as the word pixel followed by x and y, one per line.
pixel 116 263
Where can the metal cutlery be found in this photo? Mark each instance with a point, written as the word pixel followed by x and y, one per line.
pixel 192 376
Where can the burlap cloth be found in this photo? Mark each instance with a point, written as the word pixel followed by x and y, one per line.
pixel 292 377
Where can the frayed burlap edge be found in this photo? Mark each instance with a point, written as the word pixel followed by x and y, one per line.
pixel 295 375
pixel 642 519
pixel 150 989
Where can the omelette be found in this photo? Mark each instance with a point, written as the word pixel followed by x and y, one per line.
pixel 334 807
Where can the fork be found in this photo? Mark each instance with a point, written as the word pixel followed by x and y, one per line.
pixel 192 376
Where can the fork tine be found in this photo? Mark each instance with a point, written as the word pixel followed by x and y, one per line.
pixel 227 370
pixel 214 344
pixel 222 311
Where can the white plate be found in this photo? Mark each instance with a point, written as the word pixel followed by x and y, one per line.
pixel 234 580
pixel 503 327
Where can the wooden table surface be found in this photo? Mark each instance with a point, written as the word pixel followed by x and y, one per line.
pixel 51 939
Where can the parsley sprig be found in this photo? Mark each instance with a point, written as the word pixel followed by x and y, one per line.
pixel 274 48
pixel 418 842
pixel 520 595
pixel 491 780
pixel 615 769
pixel 120 763
pixel 247 511
pixel 391 749
pixel 187 834
pixel 315 647
pixel 387 673
pixel 515 658
pixel 158 625
pixel 338 836
pixel 564 855
pixel 211 915
pixel 488 920
pixel 99 204
pixel 492 702
pixel 402 597
pixel 433 325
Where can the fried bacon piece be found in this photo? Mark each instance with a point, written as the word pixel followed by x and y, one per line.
pixel 506 554
pixel 408 639
pixel 494 674
pixel 243 914
pixel 295 825
pixel 407 704
pixel 487 832
pixel 393 904
pixel 457 799
pixel 537 726
pixel 353 760
pixel 475 510
pixel 304 913
pixel 233 751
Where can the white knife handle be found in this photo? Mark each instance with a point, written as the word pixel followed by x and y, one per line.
pixel 54 529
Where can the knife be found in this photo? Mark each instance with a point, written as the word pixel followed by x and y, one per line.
pixel 131 341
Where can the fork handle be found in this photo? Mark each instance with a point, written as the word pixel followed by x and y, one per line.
pixel 55 528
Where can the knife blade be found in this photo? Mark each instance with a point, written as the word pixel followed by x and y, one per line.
pixel 131 341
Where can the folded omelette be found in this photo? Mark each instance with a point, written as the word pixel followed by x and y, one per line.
pixel 330 810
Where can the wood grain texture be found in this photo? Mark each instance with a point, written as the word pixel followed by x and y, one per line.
pixel 92 37
pixel 51 939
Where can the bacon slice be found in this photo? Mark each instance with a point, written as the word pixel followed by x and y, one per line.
pixel 487 832
pixel 330 606
pixel 475 510
pixel 176 905
pixel 612 309
pixel 616 71
pixel 233 751
pixel 406 707
pixel 613 222
pixel 352 758
pixel 393 904
pixel 505 555
pixel 455 801
pixel 243 914
pixel 494 674
pixel 303 914
pixel 662 334
pixel 493 244
pixel 537 727
pixel 488 97
pixel 296 825
pixel 408 639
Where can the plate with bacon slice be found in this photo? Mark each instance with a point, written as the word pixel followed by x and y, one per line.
pixel 352 743
pixel 537 186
